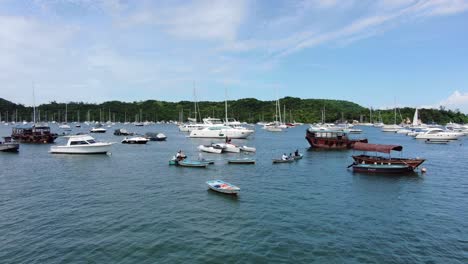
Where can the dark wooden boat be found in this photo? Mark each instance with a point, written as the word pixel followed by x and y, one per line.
pixel 330 139
pixel 39 134
pixel 155 136
pixel 367 159
pixel 8 146
pixel 382 168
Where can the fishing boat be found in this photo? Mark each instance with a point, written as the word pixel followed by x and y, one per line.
pixel 247 149
pixel 330 139
pixel 210 149
pixel 135 140
pixel 35 134
pixel 437 141
pixel 383 168
pixel 376 160
pixel 241 161
pixel 283 160
pixel 82 144
pixel 155 136
pixel 192 163
pixel 8 146
pixel 223 187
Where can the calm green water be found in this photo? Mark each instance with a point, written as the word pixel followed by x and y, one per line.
pixel 131 207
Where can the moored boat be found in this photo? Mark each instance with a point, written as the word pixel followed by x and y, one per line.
pixel 123 132
pixel 82 144
pixel 98 129
pixel 376 160
pixel 241 161
pixel 330 139
pixel 192 163
pixel 135 140
pixel 437 141
pixel 247 149
pixel 210 149
pixel 223 187
pixel 35 134
pixel 383 168
pixel 155 136
pixel 8 145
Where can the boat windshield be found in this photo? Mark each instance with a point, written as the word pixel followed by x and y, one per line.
pixel 81 142
pixel 91 141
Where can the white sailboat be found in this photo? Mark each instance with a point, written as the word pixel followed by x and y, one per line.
pixel 394 127
pixel 65 125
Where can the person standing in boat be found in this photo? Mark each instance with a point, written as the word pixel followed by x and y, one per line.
pixel 180 155
pixel 296 153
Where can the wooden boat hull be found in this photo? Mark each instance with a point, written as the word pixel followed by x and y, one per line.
pixel 338 143
pixel 359 159
pixel 393 169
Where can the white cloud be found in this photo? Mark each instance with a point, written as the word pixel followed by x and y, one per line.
pixel 457 100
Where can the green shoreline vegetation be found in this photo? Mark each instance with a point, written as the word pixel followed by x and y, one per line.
pixel 248 109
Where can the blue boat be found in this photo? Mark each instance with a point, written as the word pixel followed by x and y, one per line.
pixel 192 164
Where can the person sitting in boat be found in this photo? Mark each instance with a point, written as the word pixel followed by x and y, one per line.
pixel 284 157
pixel 228 140
pixel 296 153
pixel 180 155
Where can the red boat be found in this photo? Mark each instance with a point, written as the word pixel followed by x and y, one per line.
pixel 330 139
pixel 34 134
pixel 413 163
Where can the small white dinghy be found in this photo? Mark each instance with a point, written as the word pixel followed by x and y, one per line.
pixel 248 149
pixel 223 187
pixel 209 149
pixel 226 147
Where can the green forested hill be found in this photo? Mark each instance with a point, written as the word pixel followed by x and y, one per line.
pixel 248 109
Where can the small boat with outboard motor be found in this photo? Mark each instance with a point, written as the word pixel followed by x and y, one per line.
pixel 8 145
pixel 223 187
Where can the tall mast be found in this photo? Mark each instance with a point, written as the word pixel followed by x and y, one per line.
pixel 34 106
pixel 225 106
pixel 66 112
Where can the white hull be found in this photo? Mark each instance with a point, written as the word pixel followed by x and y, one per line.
pixel 248 149
pixel 227 147
pixel 391 128
pixel 209 149
pixel 98 148
pixel 442 135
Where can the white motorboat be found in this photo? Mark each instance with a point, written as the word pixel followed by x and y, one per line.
pixel 438 133
pixel 210 149
pixel 98 129
pixel 404 131
pixel 220 131
pixel 226 147
pixel 82 144
pixel 65 126
pixel 135 140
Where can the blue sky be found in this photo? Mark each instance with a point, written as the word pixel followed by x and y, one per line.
pixel 369 52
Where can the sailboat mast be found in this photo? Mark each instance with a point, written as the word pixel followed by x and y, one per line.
pixel 225 106
pixel 34 106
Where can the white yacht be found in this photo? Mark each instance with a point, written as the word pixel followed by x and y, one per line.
pixel 82 144
pixel 98 130
pixel 391 128
pixel 221 131
pixel 438 133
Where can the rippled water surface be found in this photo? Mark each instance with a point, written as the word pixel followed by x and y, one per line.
pixel 132 207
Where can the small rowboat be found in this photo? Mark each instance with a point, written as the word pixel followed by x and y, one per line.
pixel 437 141
pixel 223 187
pixel 297 157
pixel 283 161
pixel 192 164
pixel 248 149
pixel 241 161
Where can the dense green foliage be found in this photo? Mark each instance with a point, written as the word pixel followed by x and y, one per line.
pixel 248 109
